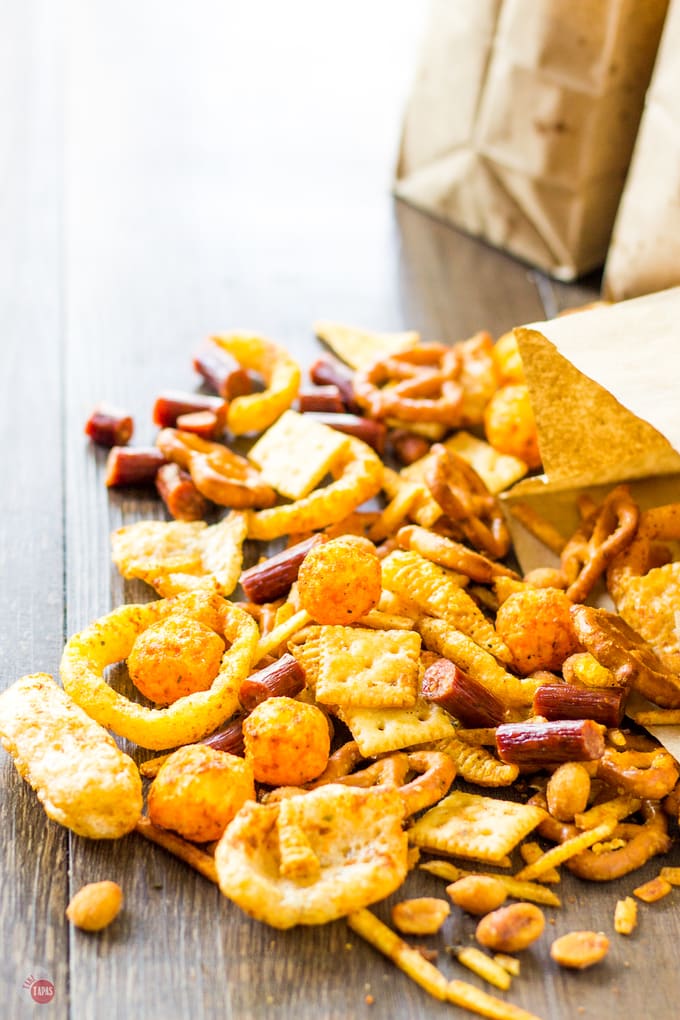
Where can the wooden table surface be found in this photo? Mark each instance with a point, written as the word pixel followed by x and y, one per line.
pixel 168 171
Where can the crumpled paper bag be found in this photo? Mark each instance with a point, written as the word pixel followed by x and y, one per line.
pixel 644 254
pixel 522 119
pixel 603 385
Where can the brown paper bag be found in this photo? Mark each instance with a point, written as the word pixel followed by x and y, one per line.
pixel 644 255
pixel 604 400
pixel 522 120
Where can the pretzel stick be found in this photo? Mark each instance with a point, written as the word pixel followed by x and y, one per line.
pixel 187 852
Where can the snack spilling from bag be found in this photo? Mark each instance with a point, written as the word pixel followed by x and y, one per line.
pixel 323 732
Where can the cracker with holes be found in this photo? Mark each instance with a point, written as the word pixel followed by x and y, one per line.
pixel 364 668
pixel 296 453
pixel 180 556
pixel 380 730
pixel 308 653
pixel 468 825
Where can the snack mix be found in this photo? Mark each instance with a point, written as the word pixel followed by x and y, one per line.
pixel 385 689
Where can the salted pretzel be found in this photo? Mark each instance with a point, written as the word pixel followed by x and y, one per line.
pixel 604 532
pixel 465 499
pixel 422 384
pixel 435 771
pixel 217 472
pixel 641 842
pixel 647 774
pixel 621 649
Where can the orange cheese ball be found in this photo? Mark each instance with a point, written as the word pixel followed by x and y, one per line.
pixel 198 790
pixel 173 658
pixel 287 742
pixel 506 358
pixel 340 581
pixel 510 424
pixel 536 626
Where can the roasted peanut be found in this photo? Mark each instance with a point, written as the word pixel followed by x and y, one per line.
pixel 477 894
pixel 512 928
pixel 95 905
pixel 421 916
pixel 568 790
pixel 579 949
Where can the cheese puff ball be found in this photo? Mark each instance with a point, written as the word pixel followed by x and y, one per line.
pixel 287 742
pixel 536 626
pixel 173 658
pixel 340 581
pixel 506 358
pixel 198 790
pixel 510 424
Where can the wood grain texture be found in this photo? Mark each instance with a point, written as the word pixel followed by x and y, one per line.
pixel 198 168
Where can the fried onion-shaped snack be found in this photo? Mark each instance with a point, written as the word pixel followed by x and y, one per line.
pixel 198 790
pixel 257 411
pixel 340 581
pixel 81 777
pixel 358 477
pixel 287 742
pixel 180 556
pixel 110 639
pixel 536 626
pixel 315 857
pixel 173 658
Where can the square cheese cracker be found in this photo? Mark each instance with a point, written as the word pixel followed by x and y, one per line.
pixel 467 825
pixel 366 668
pixel 381 730
pixel 296 453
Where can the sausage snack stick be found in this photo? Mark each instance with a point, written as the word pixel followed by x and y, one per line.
pixel 83 780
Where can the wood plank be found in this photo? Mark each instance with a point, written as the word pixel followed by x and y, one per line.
pixel 226 168
pixel 33 851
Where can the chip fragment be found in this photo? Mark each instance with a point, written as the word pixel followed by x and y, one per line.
pixel 436 592
pixel 181 556
pixel 327 853
pixel 361 347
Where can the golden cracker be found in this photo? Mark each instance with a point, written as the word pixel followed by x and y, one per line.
pixel 358 347
pixel 468 825
pixel 296 453
pixel 380 730
pixel 364 668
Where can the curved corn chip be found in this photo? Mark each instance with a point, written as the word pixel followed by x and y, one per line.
pixel 437 592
